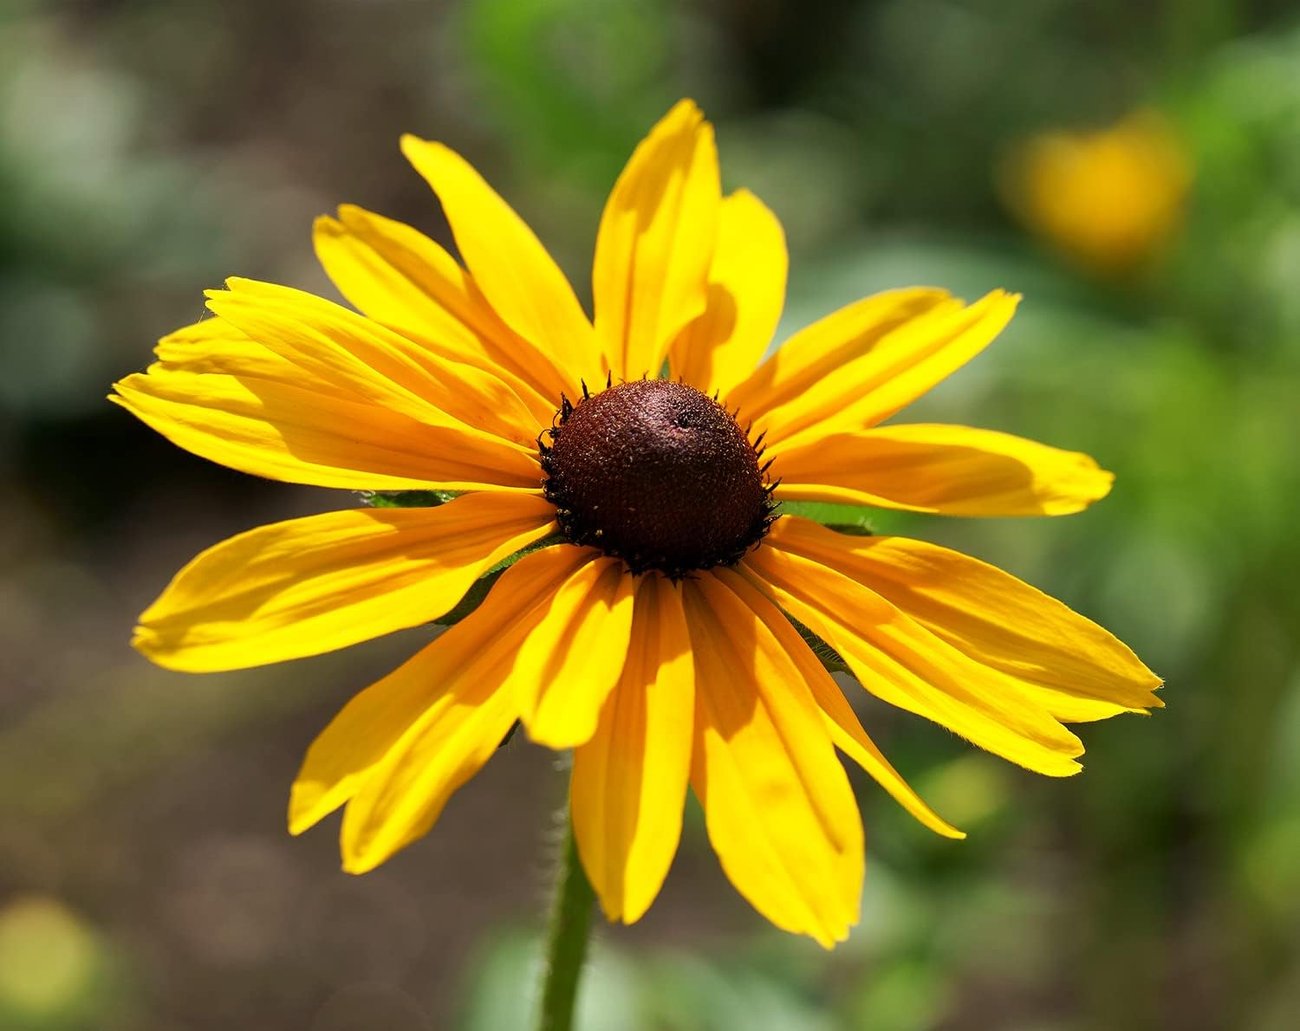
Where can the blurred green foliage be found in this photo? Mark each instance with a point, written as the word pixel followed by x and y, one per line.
pixel 149 149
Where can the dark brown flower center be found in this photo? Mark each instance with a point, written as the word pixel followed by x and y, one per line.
pixel 657 474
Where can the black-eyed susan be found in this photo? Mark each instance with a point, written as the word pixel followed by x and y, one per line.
pixel 640 460
pixel 1110 199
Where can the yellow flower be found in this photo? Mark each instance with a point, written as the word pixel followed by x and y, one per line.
pixel 1109 199
pixel 654 637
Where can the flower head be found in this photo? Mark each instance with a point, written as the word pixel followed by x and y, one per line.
pixel 633 469
pixel 1108 199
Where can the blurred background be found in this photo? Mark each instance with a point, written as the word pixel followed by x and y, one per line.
pixel 1133 169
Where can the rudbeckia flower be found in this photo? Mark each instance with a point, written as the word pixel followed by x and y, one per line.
pixel 639 460
pixel 1110 199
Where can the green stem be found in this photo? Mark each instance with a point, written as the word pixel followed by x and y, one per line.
pixel 566 945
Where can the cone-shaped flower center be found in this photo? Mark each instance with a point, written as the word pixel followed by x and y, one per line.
pixel 657 474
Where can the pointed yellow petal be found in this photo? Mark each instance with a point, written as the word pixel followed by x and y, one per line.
pixel 571 662
pixel 841 722
pixel 955 470
pixel 312 585
pixel 449 692
pixel 777 803
pixel 655 243
pixel 860 365
pixel 822 350
pixel 398 276
pixel 628 785
pixel 291 430
pixel 352 353
pixel 901 662
pixel 746 294
pixel 217 347
pixel 214 345
pixel 404 794
pixel 518 278
pixel 1064 662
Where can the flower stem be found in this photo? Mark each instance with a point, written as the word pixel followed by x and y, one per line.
pixel 566 945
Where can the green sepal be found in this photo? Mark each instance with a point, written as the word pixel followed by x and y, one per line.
pixel 826 655
pixel 853 530
pixel 851 519
pixel 407 498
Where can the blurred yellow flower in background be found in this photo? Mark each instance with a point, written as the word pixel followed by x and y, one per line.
pixel 1109 200
pixel 52 963
pixel 648 623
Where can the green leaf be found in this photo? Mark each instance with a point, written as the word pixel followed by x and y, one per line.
pixel 407 498
pixel 852 519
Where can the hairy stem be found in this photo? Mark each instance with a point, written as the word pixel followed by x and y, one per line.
pixel 566 945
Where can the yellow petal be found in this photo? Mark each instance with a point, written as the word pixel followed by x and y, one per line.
pixel 352 353
pixel 398 276
pixel 1064 662
pixel 746 294
pixel 312 585
pixel 841 722
pixel 823 349
pixel 860 365
pixel 449 691
pixel 294 431
pixel 655 243
pixel 901 662
pixel 955 470
pixel 778 807
pixel 214 345
pixel 571 662
pixel 628 785
pixel 508 263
